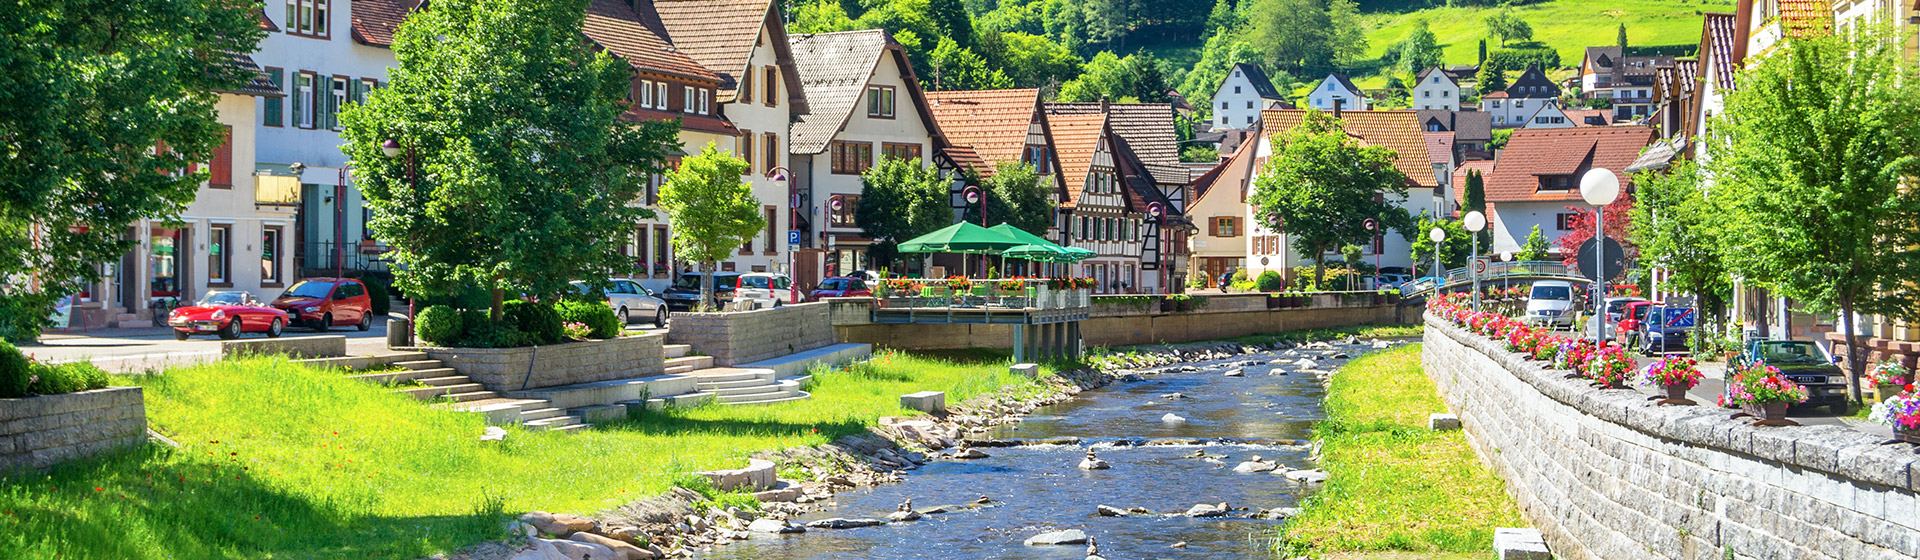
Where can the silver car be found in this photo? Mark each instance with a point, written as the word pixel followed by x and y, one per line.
pixel 629 300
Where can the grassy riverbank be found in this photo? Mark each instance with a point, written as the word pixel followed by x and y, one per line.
pixel 1395 485
pixel 284 461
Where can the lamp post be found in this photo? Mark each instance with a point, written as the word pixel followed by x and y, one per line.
pixel 1437 235
pixel 1475 221
pixel 391 148
pixel 1371 224
pixel 1599 187
pixel 1154 212
pixel 779 175
pixel 973 195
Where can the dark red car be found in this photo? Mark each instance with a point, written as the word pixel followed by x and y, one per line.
pixel 839 287
pixel 1634 314
pixel 322 303
pixel 227 313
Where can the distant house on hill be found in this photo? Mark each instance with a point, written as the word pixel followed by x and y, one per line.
pixel 1435 91
pixel 1246 92
pixel 1336 91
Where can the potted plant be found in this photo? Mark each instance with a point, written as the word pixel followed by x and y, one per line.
pixel 1675 374
pixel 1902 412
pixel 1610 367
pixel 1759 390
pixel 1547 348
pixel 1888 379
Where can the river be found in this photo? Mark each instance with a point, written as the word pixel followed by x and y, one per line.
pixel 1039 488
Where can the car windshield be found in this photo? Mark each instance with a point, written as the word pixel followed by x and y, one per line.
pixel 1640 312
pixel 1617 305
pixel 309 288
pixel 691 281
pixel 1552 292
pixel 753 282
pixel 1798 352
pixel 226 298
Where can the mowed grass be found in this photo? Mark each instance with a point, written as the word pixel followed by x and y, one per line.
pixel 284 461
pixel 1395 485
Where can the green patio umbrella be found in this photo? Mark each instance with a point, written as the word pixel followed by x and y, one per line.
pixel 1037 252
pixel 1078 254
pixel 963 237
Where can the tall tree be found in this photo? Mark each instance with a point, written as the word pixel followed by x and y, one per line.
pixel 959 69
pixel 518 189
pixel 1536 247
pixel 953 21
pixel 1483 50
pixel 1033 60
pixel 1491 77
pixel 1508 26
pixel 1221 19
pixel 1476 196
pixel 1623 39
pixel 90 89
pixel 1324 185
pixel 900 200
pixel 1675 228
pixel 1811 160
pixel 1453 249
pixel 713 211
pixel 1016 195
pixel 1418 51
pixel 1316 36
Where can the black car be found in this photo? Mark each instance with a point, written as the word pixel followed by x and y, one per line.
pixel 684 294
pixel 1807 364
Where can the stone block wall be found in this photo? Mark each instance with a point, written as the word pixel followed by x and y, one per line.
pixel 1222 317
pixel 506 369
pixel 1605 474
pixel 38 432
pixel 750 336
pixel 292 346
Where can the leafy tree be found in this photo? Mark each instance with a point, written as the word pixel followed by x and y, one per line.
pixel 1476 192
pixel 1016 195
pixel 900 200
pixel 1323 185
pixel 90 89
pixel 1500 137
pixel 1420 50
pixel 1483 51
pixel 1623 39
pixel 1676 229
pixel 1811 160
pixel 1222 51
pixel 821 16
pixel 956 68
pixel 1491 77
pixel 1508 26
pixel 1315 36
pixel 1135 78
pixel 1011 17
pixel 1221 19
pixel 1107 21
pixel 713 211
pixel 1034 61
pixel 952 19
pixel 1619 217
pixel 1536 248
pixel 514 188
pixel 1453 250
pixel 1199 153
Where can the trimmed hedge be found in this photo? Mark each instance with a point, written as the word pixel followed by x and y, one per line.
pixel 599 318
pixel 537 320
pixel 1518 58
pixel 1269 281
pixel 439 324
pixel 380 293
pixel 15 372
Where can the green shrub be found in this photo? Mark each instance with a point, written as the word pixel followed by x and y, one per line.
pixel 439 324
pixel 1269 281
pixel 14 371
pixel 381 295
pixel 538 320
pixel 1518 58
pixel 1239 275
pixel 595 315
pixel 490 334
pixel 22 316
pixel 66 378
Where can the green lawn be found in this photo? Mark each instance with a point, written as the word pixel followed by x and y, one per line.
pixel 285 461
pixel 1395 485
pixel 1569 26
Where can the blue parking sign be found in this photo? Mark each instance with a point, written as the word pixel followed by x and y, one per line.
pixel 1679 317
pixel 793 237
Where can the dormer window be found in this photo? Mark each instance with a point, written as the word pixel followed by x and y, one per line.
pixel 1556 182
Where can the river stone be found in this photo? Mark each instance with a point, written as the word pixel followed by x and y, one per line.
pixel 1095 464
pixel 538 549
pixel 1172 418
pixel 557 524
pixel 899 516
pixel 1207 510
pixel 1173 396
pixel 773 526
pixel 1236 372
pixel 1254 466
pixel 1277 513
pixel 1069 536
pixel 1306 363
pixel 574 550
pixel 970 453
pixel 1109 511
pixel 622 550
pixel 1307 476
pixel 841 523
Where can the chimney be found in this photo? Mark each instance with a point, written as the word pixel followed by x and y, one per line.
pixel 1337 102
pixel 1106 104
pixel 1742 31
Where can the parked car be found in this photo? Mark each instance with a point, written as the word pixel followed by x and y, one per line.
pixel 321 303
pixel 1657 333
pixel 1632 316
pixel 226 313
pixel 840 287
pixel 684 294
pixel 1805 363
pixel 1391 280
pixel 768 288
pixel 1551 303
pixel 628 299
pixel 1617 306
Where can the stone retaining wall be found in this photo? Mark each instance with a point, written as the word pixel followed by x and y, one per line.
pixel 38 432
pixel 1605 474
pixel 750 336
pixel 1122 324
pixel 506 369
pixel 326 346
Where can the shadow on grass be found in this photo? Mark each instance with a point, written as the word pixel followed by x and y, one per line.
pixel 156 502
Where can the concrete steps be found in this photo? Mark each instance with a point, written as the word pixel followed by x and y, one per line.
pixel 677 350
pixel 735 386
pixel 444 386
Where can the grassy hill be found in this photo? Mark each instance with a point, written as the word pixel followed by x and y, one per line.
pixel 1567 25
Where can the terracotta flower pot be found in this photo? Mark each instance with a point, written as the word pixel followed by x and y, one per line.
pixel 1676 395
pixel 1770 414
pixel 1907 435
pixel 1881 392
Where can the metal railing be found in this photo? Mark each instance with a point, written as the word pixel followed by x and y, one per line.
pixel 977 300
pixel 1495 272
pixel 357 256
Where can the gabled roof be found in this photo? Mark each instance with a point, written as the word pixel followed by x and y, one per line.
pixel 1466 126
pixel 966 157
pixel 1422 78
pixel 1261 84
pixel 834 70
pixel 1579 117
pixel 374 21
pixel 992 123
pixel 258 84
pixel 1076 138
pixel 1399 131
pixel 1229 177
pixel 1532 153
pixel 1148 128
pixel 1483 166
pixel 1344 82
pixel 1439 147
pixel 721 35
pixel 1533 84
pixel 1602 57
pixel 1716 49
pixel 1806 18
pixel 639 40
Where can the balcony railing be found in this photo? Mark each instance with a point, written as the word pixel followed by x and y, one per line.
pixel 981 301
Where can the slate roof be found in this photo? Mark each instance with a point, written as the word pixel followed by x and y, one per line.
pixel 1422 78
pixel 1399 131
pixel 992 123
pixel 639 40
pixel 1344 82
pixel 1076 137
pixel 834 68
pixel 1261 84
pixel 374 21
pixel 1148 128
pixel 1533 84
pixel 1532 153
pixel 259 84
pixel 1439 147
pixel 1466 126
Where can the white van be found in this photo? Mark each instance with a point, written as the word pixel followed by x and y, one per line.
pixel 1551 303
pixel 769 289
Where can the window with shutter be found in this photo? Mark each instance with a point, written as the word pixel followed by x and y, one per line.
pixel 221 174
pixel 336 100
pixel 746 85
pixel 772 82
pixel 770 152
pixel 745 151
pixel 276 109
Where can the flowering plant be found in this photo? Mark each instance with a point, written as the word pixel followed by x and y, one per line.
pixel 1574 355
pixel 1610 366
pixel 1673 370
pixel 957 283
pixel 1901 411
pixel 901 286
pixel 1522 340
pixel 576 330
pixel 1757 383
pixel 1548 348
pixel 1888 373
pixel 1012 285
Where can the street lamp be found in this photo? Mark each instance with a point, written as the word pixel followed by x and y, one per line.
pixel 1599 187
pixel 1475 221
pixel 1439 272
pixel 973 196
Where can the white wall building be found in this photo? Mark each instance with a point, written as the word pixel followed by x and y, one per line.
pixel 1334 90
pixel 1241 97
pixel 1435 91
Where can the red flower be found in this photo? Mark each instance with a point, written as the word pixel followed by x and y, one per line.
pixel 96 489
pixel 1908 388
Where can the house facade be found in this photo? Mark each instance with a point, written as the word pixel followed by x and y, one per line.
pixel 1538 176
pixel 1219 208
pixel 1147 154
pixel 1102 213
pixel 1241 97
pixel 1428 187
pixel 1628 82
pixel 1435 91
pixel 984 128
pixel 1337 92
pixel 1516 106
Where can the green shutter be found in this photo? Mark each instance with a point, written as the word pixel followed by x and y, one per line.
pixel 275 112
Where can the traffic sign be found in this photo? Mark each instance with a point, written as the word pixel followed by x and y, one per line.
pixel 1678 318
pixel 1480 265
pixel 793 237
pixel 1616 259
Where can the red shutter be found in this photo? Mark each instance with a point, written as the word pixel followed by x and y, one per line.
pixel 223 160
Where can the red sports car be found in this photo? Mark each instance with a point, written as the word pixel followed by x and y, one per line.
pixel 227 313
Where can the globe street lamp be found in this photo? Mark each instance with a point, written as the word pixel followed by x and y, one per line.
pixel 973 196
pixel 1475 221
pixel 1439 272
pixel 1599 187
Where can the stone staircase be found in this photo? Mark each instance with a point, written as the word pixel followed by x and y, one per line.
pixel 430 381
pixel 732 386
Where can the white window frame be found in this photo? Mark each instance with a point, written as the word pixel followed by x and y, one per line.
pixel 704 98
pixel 303 106
pixel 660 96
pixel 687 96
pixel 337 96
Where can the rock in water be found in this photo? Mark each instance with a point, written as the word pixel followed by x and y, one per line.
pixel 1109 511
pixel 1069 536
pixel 969 453
pixel 1094 463
pixel 900 516
pixel 1172 418
pixel 1173 396
pixel 1236 372
pixel 1308 476
pixel 774 526
pixel 1208 510
pixel 839 523
pixel 1181 544
pixel 1255 465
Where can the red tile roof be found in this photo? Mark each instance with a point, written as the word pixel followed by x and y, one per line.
pixel 699 123
pixel 1806 18
pixel 1399 131
pixel 1533 153
pixel 1229 178
pixel 1439 147
pixel 1075 140
pixel 720 34
pixel 1579 116
pixel 993 123
pixel 640 41
pixel 1148 127
pixel 374 21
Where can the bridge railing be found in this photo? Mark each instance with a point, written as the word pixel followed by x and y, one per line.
pixel 1496 271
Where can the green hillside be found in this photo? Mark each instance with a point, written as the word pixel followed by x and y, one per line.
pixel 1567 25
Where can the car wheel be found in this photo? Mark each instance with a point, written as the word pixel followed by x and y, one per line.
pixel 660 318
pixel 624 318
pixel 275 328
pixel 181 335
pixel 325 324
pixel 365 323
pixel 231 331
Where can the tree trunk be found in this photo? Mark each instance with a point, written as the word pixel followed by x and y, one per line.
pixel 706 287
pixel 1319 267
pixel 498 306
pixel 1856 359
